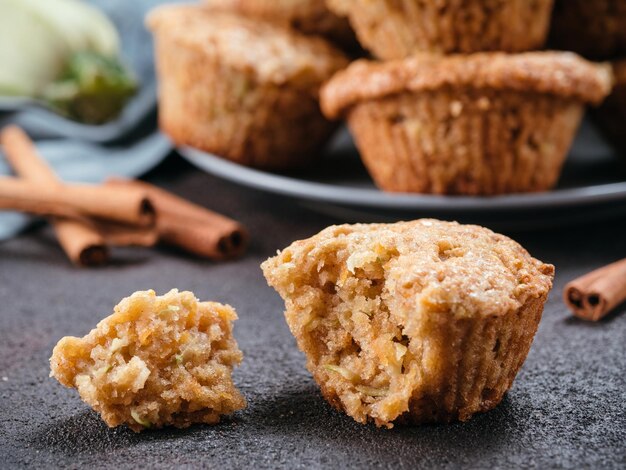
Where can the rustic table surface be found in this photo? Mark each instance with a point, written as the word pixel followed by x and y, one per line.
pixel 566 408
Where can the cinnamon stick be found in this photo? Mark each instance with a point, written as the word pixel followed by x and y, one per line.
pixel 178 222
pixel 213 242
pixel 124 235
pixel 124 205
pixel 189 226
pixel 81 242
pixel 594 295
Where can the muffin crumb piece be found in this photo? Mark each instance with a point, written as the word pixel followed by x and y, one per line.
pixel 156 361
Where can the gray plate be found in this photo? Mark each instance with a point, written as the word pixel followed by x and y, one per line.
pixel 593 186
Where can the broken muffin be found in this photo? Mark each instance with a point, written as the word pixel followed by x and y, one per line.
pixel 156 361
pixel 422 321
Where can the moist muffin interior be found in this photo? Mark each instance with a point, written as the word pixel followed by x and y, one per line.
pixel 158 360
pixel 367 306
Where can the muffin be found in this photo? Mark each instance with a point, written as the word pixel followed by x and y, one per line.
pixel 414 322
pixel 611 116
pixel 395 29
pixel 243 89
pixel 307 16
pixel 156 361
pixel 594 28
pixel 479 124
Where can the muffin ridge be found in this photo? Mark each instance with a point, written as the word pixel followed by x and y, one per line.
pixel 559 73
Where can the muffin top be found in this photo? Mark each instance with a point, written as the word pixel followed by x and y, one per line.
pixel 427 265
pixel 307 16
pixel 270 53
pixel 560 73
pixel 278 10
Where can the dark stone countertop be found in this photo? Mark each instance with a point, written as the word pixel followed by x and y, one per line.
pixel 566 408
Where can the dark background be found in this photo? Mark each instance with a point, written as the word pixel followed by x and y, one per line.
pixel 566 407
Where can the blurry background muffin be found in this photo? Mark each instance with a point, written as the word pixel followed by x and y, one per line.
pixel 611 116
pixel 594 28
pixel 307 16
pixel 422 321
pixel 393 29
pixel 243 89
pixel 478 124
pixel 597 30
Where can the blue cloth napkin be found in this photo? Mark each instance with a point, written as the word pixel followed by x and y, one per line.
pixel 90 163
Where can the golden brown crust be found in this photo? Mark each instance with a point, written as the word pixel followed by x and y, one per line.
pixel 156 361
pixel 279 56
pixel 592 28
pixel 286 11
pixel 564 75
pixel 422 321
pixel 481 272
pixel 307 16
pixel 394 29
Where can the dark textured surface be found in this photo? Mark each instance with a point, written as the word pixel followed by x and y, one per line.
pixel 566 408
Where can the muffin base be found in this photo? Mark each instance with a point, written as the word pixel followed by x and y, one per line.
pixel 473 142
pixel 469 370
pixel 480 365
pixel 408 26
pixel 595 29
pixel 225 111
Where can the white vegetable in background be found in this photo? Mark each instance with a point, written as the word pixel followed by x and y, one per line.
pixel 30 49
pixel 38 37
pixel 83 26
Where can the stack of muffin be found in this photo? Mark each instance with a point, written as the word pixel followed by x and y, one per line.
pixel 597 30
pixel 454 103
